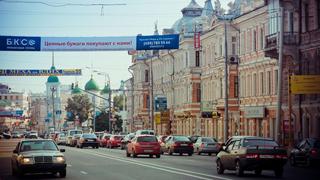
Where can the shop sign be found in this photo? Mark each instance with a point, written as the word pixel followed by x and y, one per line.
pixel 254 112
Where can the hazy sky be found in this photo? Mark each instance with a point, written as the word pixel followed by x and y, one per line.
pixel 29 19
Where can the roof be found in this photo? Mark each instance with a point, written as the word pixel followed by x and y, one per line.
pixel 91 85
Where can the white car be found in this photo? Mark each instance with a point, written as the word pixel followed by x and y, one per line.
pixel 70 134
pixel 61 139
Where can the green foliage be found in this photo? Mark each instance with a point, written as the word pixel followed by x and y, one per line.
pixel 118 102
pixel 78 105
pixel 102 122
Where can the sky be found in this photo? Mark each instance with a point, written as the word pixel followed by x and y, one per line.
pixel 31 19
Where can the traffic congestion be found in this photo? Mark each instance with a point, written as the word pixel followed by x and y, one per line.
pixel 239 154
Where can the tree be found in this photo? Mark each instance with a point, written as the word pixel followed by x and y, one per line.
pixel 102 121
pixel 78 105
pixel 118 102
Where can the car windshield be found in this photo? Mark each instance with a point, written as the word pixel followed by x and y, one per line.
pixel 181 138
pixel 208 140
pixel 89 136
pixel 75 132
pixel 38 145
pixel 147 139
pixel 259 142
pixel 147 132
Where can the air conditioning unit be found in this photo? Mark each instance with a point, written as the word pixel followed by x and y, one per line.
pixel 234 59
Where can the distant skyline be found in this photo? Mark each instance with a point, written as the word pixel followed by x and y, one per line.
pixel 136 17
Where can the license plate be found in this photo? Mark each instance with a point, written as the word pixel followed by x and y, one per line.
pixel 148 151
pixel 183 144
pixel 90 140
pixel 267 156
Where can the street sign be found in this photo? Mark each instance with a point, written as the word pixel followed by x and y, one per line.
pixel 305 84
pixel 160 103
pixel 40 72
pixel 165 116
pixel 157 118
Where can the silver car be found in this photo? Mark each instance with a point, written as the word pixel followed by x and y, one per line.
pixel 206 145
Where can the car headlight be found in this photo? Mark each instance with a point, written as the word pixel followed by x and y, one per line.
pixel 58 159
pixel 27 160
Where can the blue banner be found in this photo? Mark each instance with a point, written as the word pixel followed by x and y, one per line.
pixel 40 72
pixel 19 43
pixel 157 42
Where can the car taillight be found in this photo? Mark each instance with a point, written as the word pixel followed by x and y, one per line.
pixel 313 151
pixel 281 156
pixel 252 156
pixel 176 144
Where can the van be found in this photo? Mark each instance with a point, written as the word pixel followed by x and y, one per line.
pixel 144 131
pixel 70 134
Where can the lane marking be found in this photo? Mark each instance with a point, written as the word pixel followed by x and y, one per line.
pixel 83 172
pixel 156 166
pixel 69 165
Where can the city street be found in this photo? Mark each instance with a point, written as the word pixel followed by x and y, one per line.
pixel 112 164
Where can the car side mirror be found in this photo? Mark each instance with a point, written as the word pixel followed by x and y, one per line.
pixel 15 151
pixel 62 150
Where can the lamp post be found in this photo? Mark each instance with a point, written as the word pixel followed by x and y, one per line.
pixel 106 75
pixel 53 89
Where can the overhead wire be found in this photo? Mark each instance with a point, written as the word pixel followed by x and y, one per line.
pixel 63 5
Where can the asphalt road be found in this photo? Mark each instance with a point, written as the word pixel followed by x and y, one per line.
pixel 112 164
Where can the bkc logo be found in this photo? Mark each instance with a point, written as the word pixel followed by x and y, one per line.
pixel 19 42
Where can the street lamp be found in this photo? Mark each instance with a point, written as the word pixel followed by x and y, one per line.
pixel 53 89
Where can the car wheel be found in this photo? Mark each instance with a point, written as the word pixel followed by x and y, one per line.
pixel 81 146
pixel 220 168
pixel 134 154
pixel 97 147
pixel 158 156
pixel 239 169
pixel 63 173
pixel 257 172
pixel 190 154
pixel 150 155
pixel 292 161
pixel 278 172
pixel 209 154
pixel 128 154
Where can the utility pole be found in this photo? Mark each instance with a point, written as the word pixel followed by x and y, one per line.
pixel 279 92
pixel 110 128
pixel 226 128
pixel 132 98
pixel 151 96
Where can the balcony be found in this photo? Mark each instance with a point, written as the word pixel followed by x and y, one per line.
pixel 290 42
pixel 310 37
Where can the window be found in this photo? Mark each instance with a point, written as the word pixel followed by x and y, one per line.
pixel 262 92
pixel 306 17
pixel 198 89
pixel 290 22
pixel 254 85
pixel 236 86
pixel 268 83
pixel 275 81
pixel 254 41
pixel 197 59
pixel 11 97
pixel 261 38
pixel 146 76
pixel 0 97
pixel 147 101
pixel 236 145
pixel 233 48
pixel 5 97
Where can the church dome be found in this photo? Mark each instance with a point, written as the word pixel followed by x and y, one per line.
pixel 187 22
pixel 91 85
pixel 53 79
pixel 106 89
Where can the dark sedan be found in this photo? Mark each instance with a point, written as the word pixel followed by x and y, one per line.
pixel 177 144
pixel 307 152
pixel 87 140
pixel 252 154
pixel 38 156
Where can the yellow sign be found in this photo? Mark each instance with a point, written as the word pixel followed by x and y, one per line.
pixel 305 84
pixel 165 116
pixel 157 118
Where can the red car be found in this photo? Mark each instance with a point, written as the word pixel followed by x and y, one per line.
pixel 104 140
pixel 115 141
pixel 143 145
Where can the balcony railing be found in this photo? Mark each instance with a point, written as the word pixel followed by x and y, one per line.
pixel 271 41
pixel 310 37
pixel 290 38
